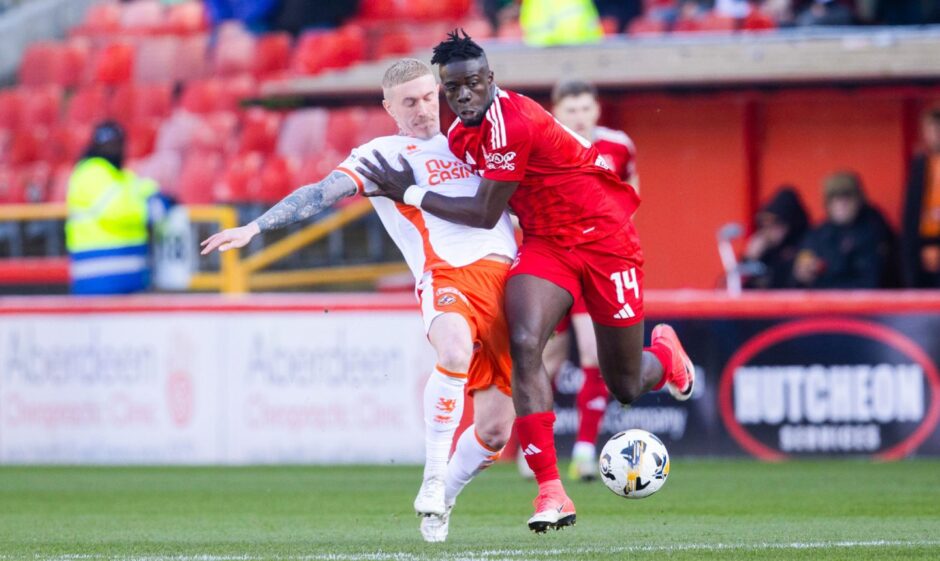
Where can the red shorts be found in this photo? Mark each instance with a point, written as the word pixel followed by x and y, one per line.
pixel 607 274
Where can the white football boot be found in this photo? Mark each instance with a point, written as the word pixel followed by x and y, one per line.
pixel 430 499
pixel 434 527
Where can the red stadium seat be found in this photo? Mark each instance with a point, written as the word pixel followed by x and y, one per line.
pixel 198 177
pixel 375 123
pixel 135 102
pixel 141 138
pixel 59 185
pixel 234 51
pixel 318 51
pixel 241 180
pixel 65 144
pixel 101 19
pixel 344 128
pixel 216 132
pixel 114 64
pixel 236 89
pixel 757 20
pixel 187 18
pixel 192 57
pixel 378 9
pixel 259 131
pixel 177 133
pixel 36 64
pixel 74 68
pixel 646 26
pixel 42 105
pixel 11 108
pixel 303 133
pixel 393 43
pixel 272 55
pixel 277 180
pixel 157 59
pixel 26 145
pixel 715 22
pixel 89 105
pixel 200 96
pixel 145 16
pixel 9 186
pixel 317 166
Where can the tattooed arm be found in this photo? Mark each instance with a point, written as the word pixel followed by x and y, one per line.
pixel 299 205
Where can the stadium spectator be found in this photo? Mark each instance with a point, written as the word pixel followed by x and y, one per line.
pixel 852 248
pixel 623 11
pixel 559 22
pixel 779 229
pixel 688 16
pixel 825 12
pixel 106 232
pixel 733 8
pixel 920 236
pixel 499 12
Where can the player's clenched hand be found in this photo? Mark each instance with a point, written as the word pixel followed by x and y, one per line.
pixel 233 238
pixel 389 181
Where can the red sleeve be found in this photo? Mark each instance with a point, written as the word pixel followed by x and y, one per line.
pixel 507 143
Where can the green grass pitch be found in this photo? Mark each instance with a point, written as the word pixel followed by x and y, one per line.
pixel 709 509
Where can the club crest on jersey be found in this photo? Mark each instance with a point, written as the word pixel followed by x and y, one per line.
pixel 501 161
pixel 448 295
pixel 411 149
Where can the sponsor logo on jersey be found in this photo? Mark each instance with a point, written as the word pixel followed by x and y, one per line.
pixel 602 162
pixel 500 161
pixel 446 300
pixel 442 171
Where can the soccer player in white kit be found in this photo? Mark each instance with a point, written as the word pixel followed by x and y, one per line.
pixel 460 272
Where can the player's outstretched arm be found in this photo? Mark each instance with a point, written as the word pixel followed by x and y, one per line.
pixel 482 210
pixel 299 205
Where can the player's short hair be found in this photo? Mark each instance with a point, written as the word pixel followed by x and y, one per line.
pixel 456 48
pixel 572 88
pixel 404 70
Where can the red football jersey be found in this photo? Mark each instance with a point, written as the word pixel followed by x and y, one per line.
pixel 618 149
pixel 566 191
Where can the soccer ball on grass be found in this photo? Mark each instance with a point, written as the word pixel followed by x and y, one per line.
pixel 634 464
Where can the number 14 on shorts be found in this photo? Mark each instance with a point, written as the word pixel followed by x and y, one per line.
pixel 623 281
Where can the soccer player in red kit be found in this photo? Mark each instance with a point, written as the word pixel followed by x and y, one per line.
pixel 579 241
pixel 575 105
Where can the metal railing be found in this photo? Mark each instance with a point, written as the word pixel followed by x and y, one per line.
pixel 237 275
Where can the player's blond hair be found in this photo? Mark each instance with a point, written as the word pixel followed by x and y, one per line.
pixel 404 70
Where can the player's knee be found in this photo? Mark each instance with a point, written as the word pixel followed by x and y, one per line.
pixel 524 344
pixel 626 393
pixel 494 435
pixel 455 358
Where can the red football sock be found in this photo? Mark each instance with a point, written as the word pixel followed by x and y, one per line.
pixel 591 403
pixel 664 355
pixel 537 440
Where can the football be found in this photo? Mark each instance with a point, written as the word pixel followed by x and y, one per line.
pixel 634 464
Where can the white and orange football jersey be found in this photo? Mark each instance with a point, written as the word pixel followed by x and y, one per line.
pixel 426 241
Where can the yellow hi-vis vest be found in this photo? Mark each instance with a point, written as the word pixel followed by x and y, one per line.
pixel 107 207
pixel 559 22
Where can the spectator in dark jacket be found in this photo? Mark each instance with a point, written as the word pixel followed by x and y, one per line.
pixel 779 228
pixel 852 248
pixel 920 226
pixel 825 12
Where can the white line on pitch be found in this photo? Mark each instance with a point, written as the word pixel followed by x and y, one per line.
pixel 492 554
